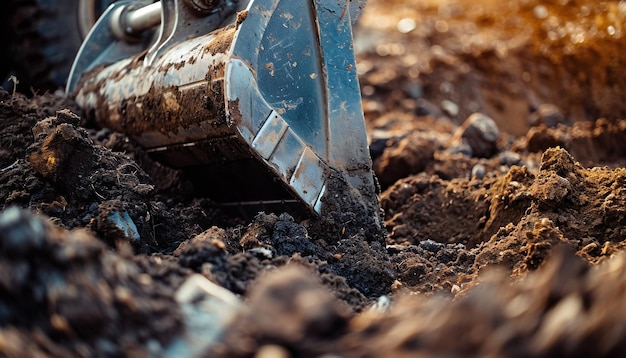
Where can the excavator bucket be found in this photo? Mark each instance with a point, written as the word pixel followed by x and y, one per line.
pixel 257 100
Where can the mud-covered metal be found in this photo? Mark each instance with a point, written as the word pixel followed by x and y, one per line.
pixel 264 107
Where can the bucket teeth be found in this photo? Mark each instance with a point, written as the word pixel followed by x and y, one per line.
pixel 292 89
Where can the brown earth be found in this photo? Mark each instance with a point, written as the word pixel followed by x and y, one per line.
pixel 498 134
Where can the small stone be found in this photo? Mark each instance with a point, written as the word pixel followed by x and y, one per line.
pixel 261 253
pixel 509 158
pixel 462 148
pixel 450 108
pixel 272 351
pixel 427 108
pixel 208 309
pixel 548 114
pixel 455 289
pixel 197 288
pixel 430 245
pixel 125 224
pixel 481 133
pixel 103 134
pixel 20 231
pixel 395 249
pixel 383 304
pixel 415 90
pixel 478 171
pixel 540 12
pixel 406 25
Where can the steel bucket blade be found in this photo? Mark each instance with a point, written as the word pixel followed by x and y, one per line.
pixel 262 113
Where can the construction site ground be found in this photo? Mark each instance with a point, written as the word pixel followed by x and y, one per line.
pixel 498 135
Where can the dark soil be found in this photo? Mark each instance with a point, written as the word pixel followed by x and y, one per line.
pixel 498 135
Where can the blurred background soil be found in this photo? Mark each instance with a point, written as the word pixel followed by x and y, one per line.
pixel 498 134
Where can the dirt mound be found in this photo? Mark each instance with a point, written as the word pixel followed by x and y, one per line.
pixel 80 183
pixel 589 142
pixel 504 59
pixel 564 309
pixel 58 169
pixel 512 220
pixel 65 294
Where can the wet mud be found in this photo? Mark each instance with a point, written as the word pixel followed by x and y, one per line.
pixel 497 137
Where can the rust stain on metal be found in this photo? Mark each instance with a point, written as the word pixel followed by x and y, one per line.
pixel 235 116
pixel 300 171
pixel 343 12
pixel 270 67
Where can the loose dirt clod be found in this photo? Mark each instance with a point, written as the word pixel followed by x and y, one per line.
pixel 289 309
pixel 67 288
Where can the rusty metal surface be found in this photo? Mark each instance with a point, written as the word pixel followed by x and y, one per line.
pixel 174 101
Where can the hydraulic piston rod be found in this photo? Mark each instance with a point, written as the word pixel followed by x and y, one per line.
pixel 127 22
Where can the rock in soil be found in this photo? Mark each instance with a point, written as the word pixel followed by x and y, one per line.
pixel 481 134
